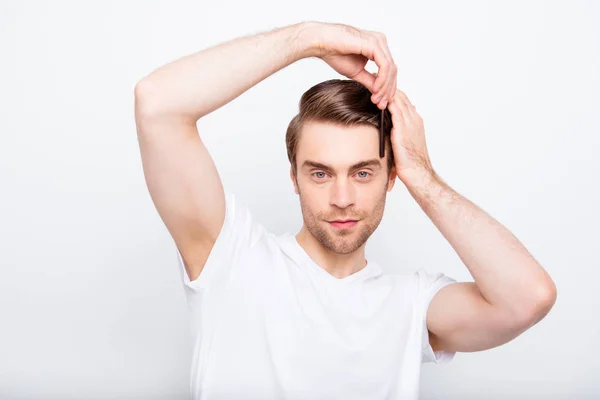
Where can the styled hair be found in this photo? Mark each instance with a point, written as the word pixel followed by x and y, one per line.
pixel 343 102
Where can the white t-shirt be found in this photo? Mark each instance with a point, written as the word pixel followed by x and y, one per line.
pixel 268 323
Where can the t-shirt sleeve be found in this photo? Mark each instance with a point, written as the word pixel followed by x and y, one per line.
pixel 238 233
pixel 429 284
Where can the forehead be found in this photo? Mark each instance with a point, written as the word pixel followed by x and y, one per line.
pixel 337 145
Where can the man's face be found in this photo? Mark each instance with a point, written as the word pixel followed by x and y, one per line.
pixel 332 185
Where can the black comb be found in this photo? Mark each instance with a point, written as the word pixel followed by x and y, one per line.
pixel 381 141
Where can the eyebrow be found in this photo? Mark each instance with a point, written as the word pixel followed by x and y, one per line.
pixel 367 163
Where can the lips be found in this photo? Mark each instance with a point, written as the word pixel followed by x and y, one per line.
pixel 343 225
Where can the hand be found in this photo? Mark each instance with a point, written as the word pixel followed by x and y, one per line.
pixel 408 140
pixel 348 49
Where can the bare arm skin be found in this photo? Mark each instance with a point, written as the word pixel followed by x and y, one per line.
pixel 511 292
pixel 181 176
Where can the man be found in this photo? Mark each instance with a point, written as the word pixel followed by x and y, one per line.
pixel 306 316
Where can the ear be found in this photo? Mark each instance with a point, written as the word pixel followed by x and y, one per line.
pixel 392 179
pixel 294 181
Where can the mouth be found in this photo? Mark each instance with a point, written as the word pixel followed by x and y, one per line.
pixel 344 224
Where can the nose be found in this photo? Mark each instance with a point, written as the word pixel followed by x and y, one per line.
pixel 343 193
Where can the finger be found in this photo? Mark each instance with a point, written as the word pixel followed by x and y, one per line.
pixel 404 103
pixel 395 108
pixel 380 102
pixel 398 123
pixel 389 89
pixel 402 107
pixel 390 82
pixel 409 106
pixel 366 78
pixel 405 98
pixel 375 52
pixel 383 101
pixel 401 97
pixel 392 91
pixel 393 78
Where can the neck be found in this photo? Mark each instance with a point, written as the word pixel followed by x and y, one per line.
pixel 336 264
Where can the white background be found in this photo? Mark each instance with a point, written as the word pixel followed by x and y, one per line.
pixel 91 303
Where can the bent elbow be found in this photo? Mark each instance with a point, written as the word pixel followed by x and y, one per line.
pixel 144 99
pixel 545 299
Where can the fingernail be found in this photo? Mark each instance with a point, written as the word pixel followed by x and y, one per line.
pixel 384 103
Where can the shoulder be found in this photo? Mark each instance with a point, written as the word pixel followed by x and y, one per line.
pixel 416 285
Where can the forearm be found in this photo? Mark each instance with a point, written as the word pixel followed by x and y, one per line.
pixel 506 274
pixel 200 83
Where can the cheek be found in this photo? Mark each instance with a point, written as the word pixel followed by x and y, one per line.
pixel 312 207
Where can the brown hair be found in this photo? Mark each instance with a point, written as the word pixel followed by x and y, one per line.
pixel 339 101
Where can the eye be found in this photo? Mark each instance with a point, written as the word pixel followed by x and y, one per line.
pixel 319 172
pixel 365 172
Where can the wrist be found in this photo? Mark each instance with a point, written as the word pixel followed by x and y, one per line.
pixel 303 39
pixel 426 187
pixel 417 177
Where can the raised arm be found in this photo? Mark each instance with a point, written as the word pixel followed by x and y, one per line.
pixel 180 174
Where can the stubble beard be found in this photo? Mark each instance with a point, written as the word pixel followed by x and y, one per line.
pixel 343 241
